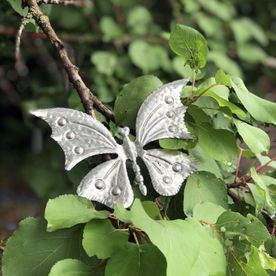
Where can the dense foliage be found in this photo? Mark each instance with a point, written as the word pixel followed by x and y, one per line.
pixel 220 222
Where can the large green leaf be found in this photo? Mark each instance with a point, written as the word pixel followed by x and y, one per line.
pixel 187 246
pixel 260 109
pixel 131 97
pixel 255 138
pixel 249 229
pixel 256 260
pixel 204 187
pixel 207 212
pixel 81 209
pixel 32 251
pixel 239 235
pixel 100 238
pixel 225 103
pixel 205 162
pixel 70 267
pixel 143 260
pixel 190 45
pixel 220 144
pixel 177 144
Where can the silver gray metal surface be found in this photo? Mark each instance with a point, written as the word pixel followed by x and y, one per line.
pixel 80 136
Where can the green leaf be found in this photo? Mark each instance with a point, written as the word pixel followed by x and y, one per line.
pixel 205 162
pixel 138 20
pixel 251 53
pixel 187 246
pixel 254 263
pixel 184 70
pixel 110 29
pixel 143 260
pixel 267 261
pixel 212 26
pixel 248 229
pixel 207 212
pixel 81 211
pixel 255 138
pixel 220 144
pixel 17 6
pixel 131 97
pixel 204 187
pixel 263 192
pixel 222 78
pixel 222 10
pixel 252 30
pixel 260 109
pixel 220 95
pixel 105 62
pixel 100 238
pixel 212 84
pixel 32 251
pixel 70 267
pixel 190 45
pixel 225 103
pixel 147 57
pixel 152 209
pixel 239 234
pixel 222 61
pixel 177 144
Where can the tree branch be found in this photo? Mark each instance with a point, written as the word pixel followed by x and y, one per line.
pixel 88 99
pixel 19 64
pixel 77 3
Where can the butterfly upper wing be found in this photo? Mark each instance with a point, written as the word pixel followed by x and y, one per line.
pixel 108 183
pixel 78 134
pixel 162 115
pixel 167 169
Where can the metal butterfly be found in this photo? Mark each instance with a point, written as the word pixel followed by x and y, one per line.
pixel 80 136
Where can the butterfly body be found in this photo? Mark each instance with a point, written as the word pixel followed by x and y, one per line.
pixel 160 116
pixel 131 150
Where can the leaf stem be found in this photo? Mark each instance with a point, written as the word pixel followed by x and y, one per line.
pixel 238 164
pixel 193 84
pixel 205 90
pixel 135 238
pixel 246 177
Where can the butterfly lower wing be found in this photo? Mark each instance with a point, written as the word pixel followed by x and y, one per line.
pixel 167 170
pixel 108 183
pixel 78 134
pixel 162 115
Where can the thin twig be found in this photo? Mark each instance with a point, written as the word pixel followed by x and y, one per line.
pixel 135 238
pixel 88 99
pixel 238 164
pixel 246 177
pixel 76 3
pixel 19 64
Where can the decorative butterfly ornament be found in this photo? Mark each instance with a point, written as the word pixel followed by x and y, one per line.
pixel 80 136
